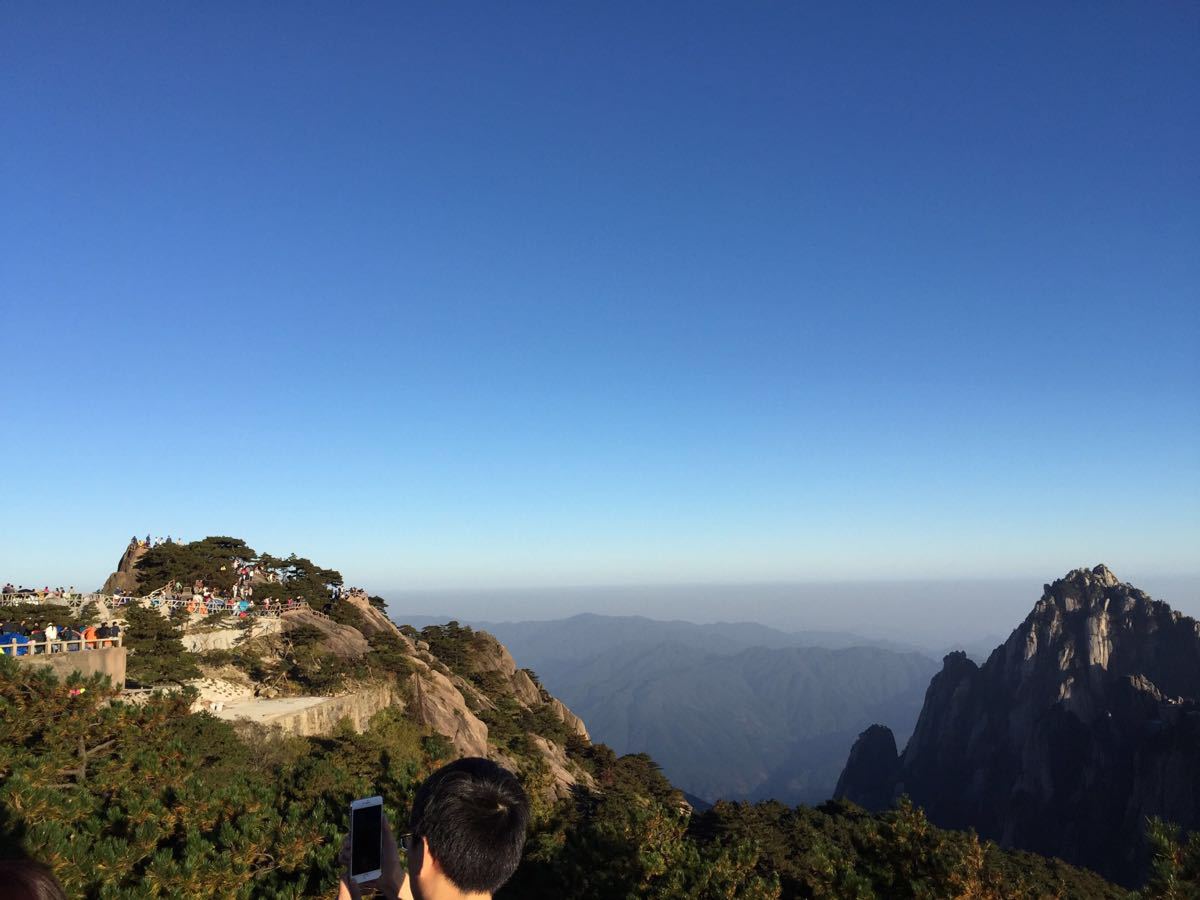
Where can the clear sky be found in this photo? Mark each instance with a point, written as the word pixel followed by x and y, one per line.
pixel 490 295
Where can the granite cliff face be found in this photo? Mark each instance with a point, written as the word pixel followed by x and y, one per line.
pixel 125 578
pixel 1081 725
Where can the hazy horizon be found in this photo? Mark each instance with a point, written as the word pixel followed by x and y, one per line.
pixel 926 614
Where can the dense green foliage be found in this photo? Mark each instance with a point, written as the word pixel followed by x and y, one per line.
pixel 215 560
pixel 297 577
pixel 839 850
pixel 156 655
pixel 453 644
pixel 628 840
pixel 1175 869
pixel 302 665
pixel 41 613
pixel 126 800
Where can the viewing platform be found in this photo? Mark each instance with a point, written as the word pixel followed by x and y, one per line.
pixel 103 656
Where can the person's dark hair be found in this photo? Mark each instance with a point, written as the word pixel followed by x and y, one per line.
pixel 473 813
pixel 24 879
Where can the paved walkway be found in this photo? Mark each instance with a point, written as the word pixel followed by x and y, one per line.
pixel 259 710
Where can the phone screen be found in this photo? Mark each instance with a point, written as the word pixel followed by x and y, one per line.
pixel 366 839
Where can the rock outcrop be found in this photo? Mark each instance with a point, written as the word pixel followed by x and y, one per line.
pixel 439 705
pixel 373 620
pixel 568 718
pixel 341 640
pixel 486 682
pixel 125 578
pixel 873 770
pixel 1082 724
pixel 202 640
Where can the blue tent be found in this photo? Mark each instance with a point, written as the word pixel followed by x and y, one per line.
pixel 14 644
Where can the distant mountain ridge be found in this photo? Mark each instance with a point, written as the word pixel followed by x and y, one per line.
pixel 1081 725
pixel 592 633
pixel 730 710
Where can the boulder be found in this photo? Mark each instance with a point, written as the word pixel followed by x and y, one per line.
pixel 341 640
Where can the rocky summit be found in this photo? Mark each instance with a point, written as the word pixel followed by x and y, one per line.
pixel 1083 724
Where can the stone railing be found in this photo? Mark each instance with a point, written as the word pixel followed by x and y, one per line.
pixel 157 600
pixel 46 647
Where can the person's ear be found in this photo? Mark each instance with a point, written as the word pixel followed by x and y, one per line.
pixel 427 858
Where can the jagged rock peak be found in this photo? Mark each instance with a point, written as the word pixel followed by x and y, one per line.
pixel 1090 622
pixel 1083 724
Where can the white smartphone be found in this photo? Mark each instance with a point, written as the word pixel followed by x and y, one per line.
pixel 366 839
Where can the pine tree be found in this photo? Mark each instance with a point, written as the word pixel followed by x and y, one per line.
pixel 156 654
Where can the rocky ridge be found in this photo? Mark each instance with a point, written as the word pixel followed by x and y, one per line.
pixel 437 697
pixel 1080 726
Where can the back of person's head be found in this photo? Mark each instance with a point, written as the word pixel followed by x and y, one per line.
pixel 24 879
pixel 473 814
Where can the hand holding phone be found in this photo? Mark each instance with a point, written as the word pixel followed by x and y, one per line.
pixel 366 839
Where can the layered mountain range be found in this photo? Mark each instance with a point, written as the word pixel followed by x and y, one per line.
pixel 731 710
pixel 1083 724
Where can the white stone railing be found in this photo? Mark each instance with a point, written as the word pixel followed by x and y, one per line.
pixel 157 600
pixel 44 647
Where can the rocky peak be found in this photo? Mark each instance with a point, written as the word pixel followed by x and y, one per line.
pixel 125 578
pixel 1090 627
pixel 1082 724
pixel 872 771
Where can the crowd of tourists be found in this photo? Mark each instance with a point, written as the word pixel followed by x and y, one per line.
pixel 24 638
pixel 158 541
pixel 39 595
pixel 240 605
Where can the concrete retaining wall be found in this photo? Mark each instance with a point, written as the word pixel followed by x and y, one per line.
pixel 108 661
pixel 311 716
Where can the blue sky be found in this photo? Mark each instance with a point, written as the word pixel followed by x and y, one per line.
pixel 488 295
